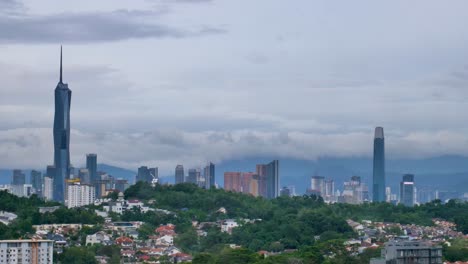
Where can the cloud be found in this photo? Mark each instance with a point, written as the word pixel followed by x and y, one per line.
pixel 92 27
pixel 33 148
pixel 10 6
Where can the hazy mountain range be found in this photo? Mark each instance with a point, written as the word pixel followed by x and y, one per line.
pixel 443 173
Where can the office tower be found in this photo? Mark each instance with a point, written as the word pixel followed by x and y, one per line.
pixel 48 188
pixel 18 178
pixel 317 185
pixel 61 136
pixel 329 195
pixel 233 181
pixel 121 185
pixel 50 171
pixel 209 173
pixel 36 181
pixel 179 174
pixel 354 192
pixel 268 179
pixel 91 165
pixel 192 176
pixel 378 188
pixel 24 190
pixel 253 187
pixel 85 176
pixel 154 173
pixel 406 251
pixel 261 179
pixel 80 195
pixel 272 179
pixel 21 251
pixel 407 190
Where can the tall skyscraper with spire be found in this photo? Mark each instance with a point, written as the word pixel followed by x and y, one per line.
pixel 378 189
pixel 61 136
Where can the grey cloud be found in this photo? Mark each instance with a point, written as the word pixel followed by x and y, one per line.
pixel 91 27
pixel 32 148
pixel 11 7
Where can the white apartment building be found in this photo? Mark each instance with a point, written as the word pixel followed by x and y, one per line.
pixel 80 195
pixel 26 251
pixel 48 188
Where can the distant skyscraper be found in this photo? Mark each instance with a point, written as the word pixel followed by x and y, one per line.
pixel 61 136
pixel 91 165
pixel 84 176
pixel 36 181
pixel 272 179
pixel 407 190
pixel 154 173
pixel 50 171
pixel 317 185
pixel 233 181
pixel 378 189
pixel 146 174
pixel 209 173
pixel 179 174
pixel 192 176
pixel 48 188
pixel 18 178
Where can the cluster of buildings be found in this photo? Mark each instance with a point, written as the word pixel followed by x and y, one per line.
pixel 203 179
pixel 82 187
pixel 264 182
pixel 404 243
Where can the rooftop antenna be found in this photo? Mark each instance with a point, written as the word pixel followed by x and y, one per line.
pixel 61 64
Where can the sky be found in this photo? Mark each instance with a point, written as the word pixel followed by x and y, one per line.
pixel 166 82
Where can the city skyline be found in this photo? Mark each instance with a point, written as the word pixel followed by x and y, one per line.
pixel 185 106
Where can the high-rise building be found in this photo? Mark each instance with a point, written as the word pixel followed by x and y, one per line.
pixel 91 165
pixel 233 181
pixel 354 192
pixel 85 176
pixel 329 195
pixel 24 251
pixel 268 179
pixel 378 187
pixel 61 136
pixel 18 178
pixel 48 188
pixel 407 190
pixel 261 179
pixel 192 176
pixel 154 173
pixel 146 174
pixel 36 181
pixel 50 171
pixel 272 179
pixel 80 195
pixel 209 173
pixel 179 174
pixel 317 185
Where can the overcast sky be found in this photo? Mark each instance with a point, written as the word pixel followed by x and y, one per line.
pixel 163 82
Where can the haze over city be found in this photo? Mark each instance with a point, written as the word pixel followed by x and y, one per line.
pixel 169 82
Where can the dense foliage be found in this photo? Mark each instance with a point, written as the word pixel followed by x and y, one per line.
pixel 27 210
pixel 303 224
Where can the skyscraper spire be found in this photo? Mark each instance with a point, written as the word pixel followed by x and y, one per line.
pixel 61 64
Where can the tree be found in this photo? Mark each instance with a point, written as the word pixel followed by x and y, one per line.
pixel 78 255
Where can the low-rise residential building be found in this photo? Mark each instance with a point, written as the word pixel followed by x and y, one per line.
pixel 6 217
pixel 98 238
